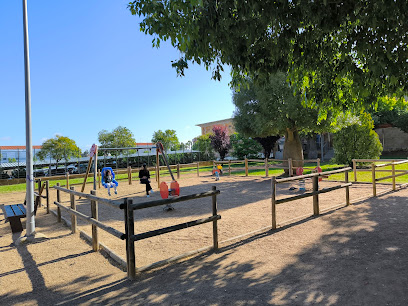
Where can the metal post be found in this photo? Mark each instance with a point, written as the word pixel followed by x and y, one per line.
pixel 215 225
pixel 39 192
pixel 96 167
pixel 30 219
pixel 47 194
pixel 273 197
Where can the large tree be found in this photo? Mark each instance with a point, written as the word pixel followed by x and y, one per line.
pixel 203 144
pixel 220 140
pixel 120 137
pixel 339 54
pixel 272 109
pixel 59 148
pixel 244 146
pixel 168 138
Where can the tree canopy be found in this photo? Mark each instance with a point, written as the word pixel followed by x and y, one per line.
pixel 120 137
pixel 271 110
pixel 339 54
pixel 59 148
pixel 244 146
pixel 168 138
pixel 202 143
pixel 220 140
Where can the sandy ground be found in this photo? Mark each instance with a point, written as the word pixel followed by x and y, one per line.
pixel 355 255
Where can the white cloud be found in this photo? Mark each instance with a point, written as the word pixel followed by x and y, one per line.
pixel 6 138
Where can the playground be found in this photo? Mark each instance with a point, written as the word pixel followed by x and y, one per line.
pixel 346 255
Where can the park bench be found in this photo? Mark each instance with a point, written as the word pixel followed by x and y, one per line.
pixel 14 213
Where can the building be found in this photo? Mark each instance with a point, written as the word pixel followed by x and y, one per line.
pixel 207 127
pixel 10 154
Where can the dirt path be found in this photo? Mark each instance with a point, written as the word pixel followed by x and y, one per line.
pixel 353 256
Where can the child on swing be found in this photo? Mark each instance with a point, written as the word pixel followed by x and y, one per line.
pixel 144 176
pixel 109 182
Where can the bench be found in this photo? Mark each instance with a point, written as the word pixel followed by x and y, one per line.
pixel 14 213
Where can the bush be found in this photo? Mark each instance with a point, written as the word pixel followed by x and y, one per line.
pixel 357 141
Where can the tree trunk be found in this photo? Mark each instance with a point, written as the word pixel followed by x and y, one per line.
pixel 293 149
pixel 312 147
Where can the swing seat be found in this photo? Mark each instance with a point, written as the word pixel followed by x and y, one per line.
pixel 103 176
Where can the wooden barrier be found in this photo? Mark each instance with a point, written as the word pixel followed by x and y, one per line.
pixel 315 193
pixel 394 174
pixel 129 208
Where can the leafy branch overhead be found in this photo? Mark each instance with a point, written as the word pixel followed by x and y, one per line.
pixel 339 54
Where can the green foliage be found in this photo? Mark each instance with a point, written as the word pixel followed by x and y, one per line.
pixel 168 138
pixel 120 137
pixel 339 54
pixel 59 148
pixel 357 141
pixel 244 146
pixel 12 160
pixel 203 143
pixel 272 109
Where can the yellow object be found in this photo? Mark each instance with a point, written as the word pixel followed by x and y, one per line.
pixel 219 167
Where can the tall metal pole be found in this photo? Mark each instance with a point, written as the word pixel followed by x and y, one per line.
pixel 30 223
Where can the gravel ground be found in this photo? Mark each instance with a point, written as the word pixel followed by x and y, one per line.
pixel 355 255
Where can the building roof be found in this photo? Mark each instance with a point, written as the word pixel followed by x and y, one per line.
pixel 17 147
pixel 215 122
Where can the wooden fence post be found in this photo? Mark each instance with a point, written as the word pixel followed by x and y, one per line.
pixel 58 208
pixel 39 192
pixel 99 178
pixel 229 167
pixel 67 177
pixel 266 167
pixel 355 170
pixel 373 179
pixel 215 225
pixel 346 178
pixel 178 171
pixel 131 264
pixel 198 168
pixel 393 176
pixel 94 215
pixel 318 162
pixel 316 210
pixel 73 206
pixel 273 196
pixel 246 166
pixel 47 195
pixel 130 175
pixel 290 165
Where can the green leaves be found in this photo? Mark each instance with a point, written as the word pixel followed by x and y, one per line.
pixel 168 138
pixel 120 137
pixel 59 148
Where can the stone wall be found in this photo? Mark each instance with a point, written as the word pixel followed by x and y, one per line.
pixel 393 139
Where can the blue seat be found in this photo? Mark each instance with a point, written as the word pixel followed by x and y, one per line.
pixel 103 176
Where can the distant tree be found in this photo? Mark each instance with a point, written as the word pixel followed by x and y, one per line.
pixel 357 140
pixel 220 140
pixel 85 153
pixel 203 144
pixel 120 137
pixel 168 138
pixel 244 146
pixel 189 145
pixel 12 160
pixel 59 148
pixel 267 144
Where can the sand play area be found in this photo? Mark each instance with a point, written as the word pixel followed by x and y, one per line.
pixel 355 255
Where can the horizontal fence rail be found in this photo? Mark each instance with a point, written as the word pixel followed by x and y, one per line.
pixel 394 174
pixel 129 209
pixel 315 193
pixel 89 219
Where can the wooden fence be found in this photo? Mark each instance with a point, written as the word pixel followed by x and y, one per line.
pixel 286 164
pixel 128 207
pixel 370 161
pixel 395 173
pixel 315 193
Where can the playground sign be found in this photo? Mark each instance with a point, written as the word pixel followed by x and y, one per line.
pixel 299 171
pixel 93 150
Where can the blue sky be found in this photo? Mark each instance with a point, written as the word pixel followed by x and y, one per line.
pixel 92 69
